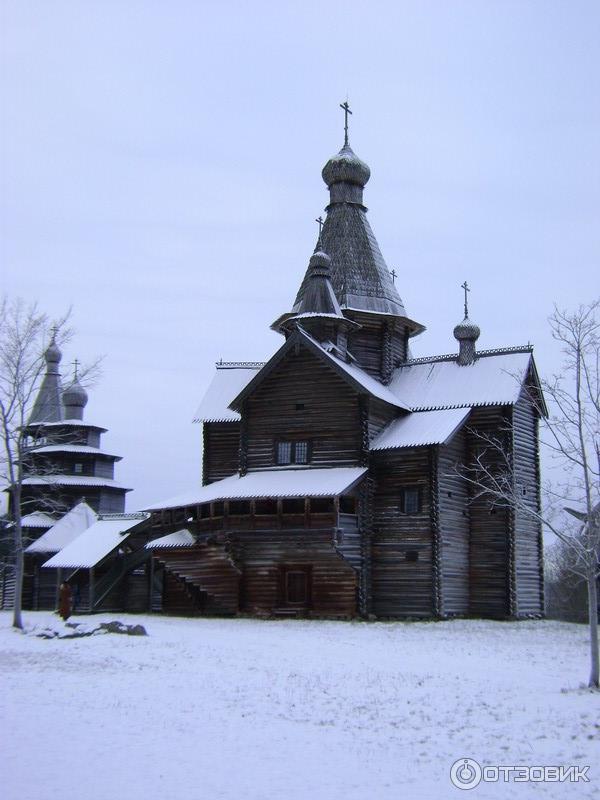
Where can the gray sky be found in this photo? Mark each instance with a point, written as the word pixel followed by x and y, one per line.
pixel 161 173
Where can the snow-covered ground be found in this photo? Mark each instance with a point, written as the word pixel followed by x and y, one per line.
pixel 208 708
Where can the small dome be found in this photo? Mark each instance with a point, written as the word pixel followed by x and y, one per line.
pixel 346 167
pixel 320 263
pixel 53 354
pixel 75 395
pixel 466 330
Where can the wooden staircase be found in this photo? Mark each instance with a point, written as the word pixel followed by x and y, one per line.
pixel 207 575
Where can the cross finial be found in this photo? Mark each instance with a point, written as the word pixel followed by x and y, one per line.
pixel 347 111
pixel 54 331
pixel 394 275
pixel 319 221
pixel 465 287
pixel 76 365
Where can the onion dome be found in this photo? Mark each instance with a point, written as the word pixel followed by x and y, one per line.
pixel 320 264
pixel 466 330
pixel 53 354
pixel 346 167
pixel 74 400
pixel 75 395
pixel 466 333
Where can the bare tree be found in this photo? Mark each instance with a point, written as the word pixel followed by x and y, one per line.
pixel 571 435
pixel 24 336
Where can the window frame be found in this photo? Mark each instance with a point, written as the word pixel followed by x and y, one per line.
pixel 293 445
pixel 404 491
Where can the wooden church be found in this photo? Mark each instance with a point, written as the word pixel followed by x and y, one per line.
pixel 69 486
pixel 332 481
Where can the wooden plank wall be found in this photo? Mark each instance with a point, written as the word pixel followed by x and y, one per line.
pixel 329 419
pixel 528 581
pixel 401 587
pixel 453 528
pixel 221 443
pixel 489 526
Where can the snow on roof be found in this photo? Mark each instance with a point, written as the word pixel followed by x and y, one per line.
pixel 494 379
pixel 372 386
pixel 76 423
pixel 63 532
pixel 304 482
pixel 37 519
pixel 421 428
pixel 95 543
pixel 227 383
pixel 73 448
pixel 72 480
pixel 182 538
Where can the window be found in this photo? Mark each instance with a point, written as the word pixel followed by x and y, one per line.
pixel 300 406
pixel 301 452
pixel 411 555
pixel 410 501
pixel 292 453
pixel 205 510
pixel 78 468
pixel 284 453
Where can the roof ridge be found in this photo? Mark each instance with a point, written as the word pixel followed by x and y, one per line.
pixel 239 364
pixel 498 351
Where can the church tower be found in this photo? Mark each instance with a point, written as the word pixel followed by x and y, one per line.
pixel 65 462
pixel 362 284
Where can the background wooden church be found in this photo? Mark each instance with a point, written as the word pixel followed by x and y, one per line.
pixel 331 473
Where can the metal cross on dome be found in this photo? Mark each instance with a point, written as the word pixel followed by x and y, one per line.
pixel 347 111
pixel 319 220
pixel 465 287
pixel 76 364
pixel 394 275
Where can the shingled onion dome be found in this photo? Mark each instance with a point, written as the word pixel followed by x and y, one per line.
pixel 53 355
pixel 74 400
pixel 346 176
pixel 466 333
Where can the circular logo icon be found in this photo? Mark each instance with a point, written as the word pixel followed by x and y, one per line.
pixel 465 773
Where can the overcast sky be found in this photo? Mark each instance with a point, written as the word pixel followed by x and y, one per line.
pixel 161 173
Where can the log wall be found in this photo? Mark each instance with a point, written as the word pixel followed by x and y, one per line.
pixel 489 554
pixel 401 551
pixel 528 578
pixel 221 445
pixel 453 528
pixel 328 419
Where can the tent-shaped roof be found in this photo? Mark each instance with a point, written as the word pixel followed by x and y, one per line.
pixel 95 543
pixel 63 532
pixel 421 428
pixel 300 482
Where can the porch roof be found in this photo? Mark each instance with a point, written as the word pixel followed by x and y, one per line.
pixel 182 538
pixel 95 543
pixel 300 482
pixel 421 428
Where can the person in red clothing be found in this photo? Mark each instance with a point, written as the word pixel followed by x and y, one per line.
pixel 65 600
